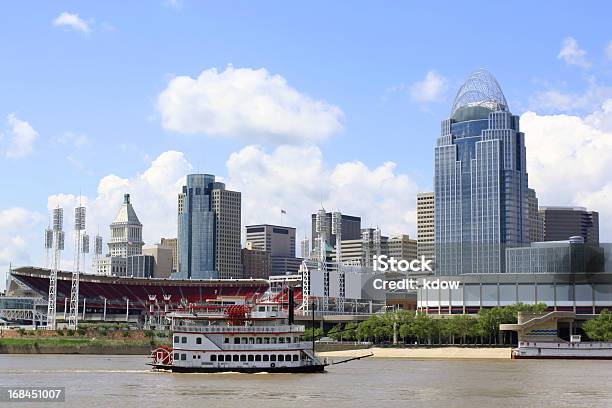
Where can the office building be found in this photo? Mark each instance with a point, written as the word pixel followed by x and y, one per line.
pixel 256 263
pixel 162 260
pixel 425 225
pixel 172 244
pixel 279 242
pixel 536 223
pixel 351 251
pixel 561 223
pixel 480 181
pixel 570 256
pixel 402 247
pixel 351 228
pixel 126 231
pixel 208 230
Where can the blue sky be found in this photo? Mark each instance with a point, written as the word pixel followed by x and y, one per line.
pixel 89 88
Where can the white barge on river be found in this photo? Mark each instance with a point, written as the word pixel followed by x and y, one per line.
pixel 538 338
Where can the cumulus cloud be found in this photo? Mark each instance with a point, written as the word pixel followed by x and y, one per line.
pixel 431 89
pixel 22 136
pixel 555 100
pixel 575 153
pixel 72 21
pixel 572 54
pixel 295 178
pixel 245 103
pixel 20 231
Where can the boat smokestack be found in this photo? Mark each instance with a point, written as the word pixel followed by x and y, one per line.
pixel 291 309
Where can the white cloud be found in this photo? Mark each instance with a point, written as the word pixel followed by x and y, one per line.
pixel 609 51
pixel 554 100
pixel 77 140
pixel 431 89
pixel 21 230
pixel 245 103
pixel 296 179
pixel 22 137
pixel 572 54
pixel 569 161
pixel 72 21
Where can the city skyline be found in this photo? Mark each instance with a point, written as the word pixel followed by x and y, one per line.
pixel 373 136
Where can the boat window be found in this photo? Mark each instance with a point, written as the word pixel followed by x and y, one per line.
pixel 226 340
pixel 281 339
pixel 275 308
pixel 194 357
pixel 184 340
pixel 273 340
pixel 243 357
pixel 236 340
pixel 266 340
pixel 296 357
pixel 183 357
pixel 281 357
pixel 288 339
pixel 258 357
pixel 251 340
pixel 273 357
pixel 261 309
pixel 251 357
pixel 221 357
pixel 199 340
pixel 235 357
pixel 176 339
pixel 213 357
pixel 176 356
pixel 266 357
pixel 258 340
pixel 244 340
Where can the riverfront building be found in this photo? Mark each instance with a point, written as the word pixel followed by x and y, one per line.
pixel 561 223
pixel 208 230
pixel 480 181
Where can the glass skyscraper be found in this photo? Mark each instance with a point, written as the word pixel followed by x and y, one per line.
pixel 196 229
pixel 480 181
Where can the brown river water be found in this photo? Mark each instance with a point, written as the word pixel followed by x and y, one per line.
pixel 125 382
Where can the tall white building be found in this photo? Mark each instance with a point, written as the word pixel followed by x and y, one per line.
pixel 126 232
pixel 425 225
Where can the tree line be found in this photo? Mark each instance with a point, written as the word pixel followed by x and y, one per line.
pixel 409 327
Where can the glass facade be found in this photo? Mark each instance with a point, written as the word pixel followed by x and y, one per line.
pixel 196 229
pixel 480 182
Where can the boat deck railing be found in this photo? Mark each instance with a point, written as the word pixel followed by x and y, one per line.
pixel 192 328
pixel 566 345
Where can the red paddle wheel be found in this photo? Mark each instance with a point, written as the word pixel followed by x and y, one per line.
pixel 236 314
pixel 162 356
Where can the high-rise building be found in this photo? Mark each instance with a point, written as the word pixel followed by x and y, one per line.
pixel 373 243
pixel 351 250
pixel 561 223
pixel 277 240
pixel 305 248
pixel 226 206
pixel 126 232
pixel 402 247
pixel 162 260
pixel 425 225
pixel 350 227
pixel 256 264
pixel 208 230
pixel 480 181
pixel 172 244
pixel 536 223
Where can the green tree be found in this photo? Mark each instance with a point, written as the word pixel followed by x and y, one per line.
pixel 599 328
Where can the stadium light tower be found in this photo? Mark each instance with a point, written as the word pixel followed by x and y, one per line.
pixel 55 240
pixel 79 227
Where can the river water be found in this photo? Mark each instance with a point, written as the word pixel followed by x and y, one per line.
pixel 125 382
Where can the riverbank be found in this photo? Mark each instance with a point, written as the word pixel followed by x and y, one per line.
pixel 426 353
pixel 74 346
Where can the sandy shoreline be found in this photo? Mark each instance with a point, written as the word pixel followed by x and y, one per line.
pixel 416 353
